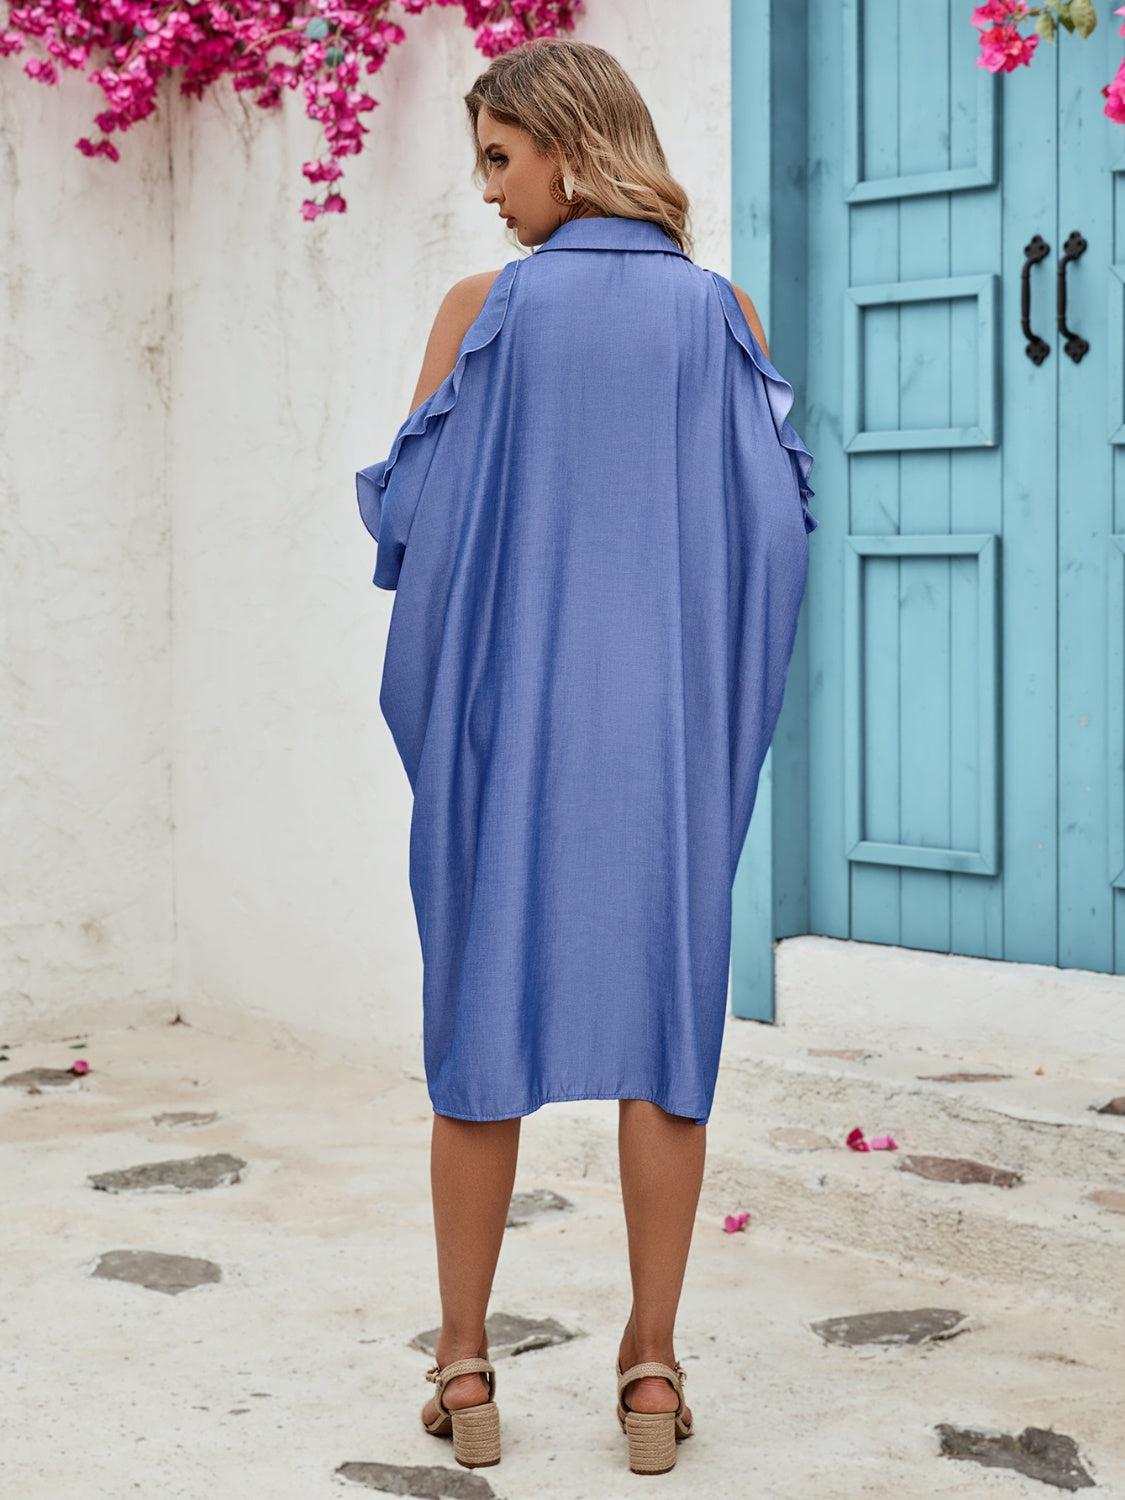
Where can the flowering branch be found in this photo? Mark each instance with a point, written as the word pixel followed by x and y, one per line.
pixel 326 42
pixel 1003 47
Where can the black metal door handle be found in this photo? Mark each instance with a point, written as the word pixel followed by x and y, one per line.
pixel 1034 251
pixel 1076 346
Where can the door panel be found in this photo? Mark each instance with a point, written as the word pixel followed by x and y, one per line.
pixel 966 708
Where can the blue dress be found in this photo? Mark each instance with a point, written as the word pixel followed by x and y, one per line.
pixel 597 527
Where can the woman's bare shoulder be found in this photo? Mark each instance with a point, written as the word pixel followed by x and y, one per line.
pixel 456 313
pixel 752 317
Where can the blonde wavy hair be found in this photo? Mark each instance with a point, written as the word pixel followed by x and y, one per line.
pixel 580 106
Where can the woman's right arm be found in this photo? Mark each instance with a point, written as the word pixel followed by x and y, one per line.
pixel 752 317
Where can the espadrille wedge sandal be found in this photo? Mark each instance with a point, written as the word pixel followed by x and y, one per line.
pixel 653 1435
pixel 475 1429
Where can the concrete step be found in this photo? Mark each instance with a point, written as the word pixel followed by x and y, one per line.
pixel 1040 1236
pixel 1031 1122
pixel 1043 1234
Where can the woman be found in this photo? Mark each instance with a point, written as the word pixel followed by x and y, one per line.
pixel 596 521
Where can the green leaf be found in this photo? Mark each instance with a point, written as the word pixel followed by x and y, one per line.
pixel 1084 16
pixel 1064 15
pixel 1045 25
pixel 317 29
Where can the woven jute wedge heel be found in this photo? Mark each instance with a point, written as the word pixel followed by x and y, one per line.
pixel 475 1429
pixel 653 1435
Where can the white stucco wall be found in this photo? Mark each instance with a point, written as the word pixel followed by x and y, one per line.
pixel 203 807
pixel 86 854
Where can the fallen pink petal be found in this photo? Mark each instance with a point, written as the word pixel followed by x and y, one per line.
pixel 855 1140
pixel 80 1065
pixel 734 1222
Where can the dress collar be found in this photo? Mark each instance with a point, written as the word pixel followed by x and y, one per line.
pixel 610 232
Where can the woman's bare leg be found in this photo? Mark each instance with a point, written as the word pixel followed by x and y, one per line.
pixel 662 1159
pixel 472 1170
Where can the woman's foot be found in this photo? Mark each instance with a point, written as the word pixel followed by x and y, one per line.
pixel 649 1392
pixel 462 1390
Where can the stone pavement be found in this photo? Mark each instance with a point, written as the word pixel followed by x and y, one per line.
pixel 254 1318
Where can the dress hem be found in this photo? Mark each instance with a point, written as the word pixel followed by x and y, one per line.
pixel 552 1098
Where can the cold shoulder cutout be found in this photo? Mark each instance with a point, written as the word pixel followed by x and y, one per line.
pixel 389 521
pixel 779 390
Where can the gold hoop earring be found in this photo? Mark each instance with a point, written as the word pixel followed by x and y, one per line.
pixel 562 191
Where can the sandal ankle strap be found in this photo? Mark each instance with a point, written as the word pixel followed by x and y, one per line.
pixel 442 1374
pixel 675 1373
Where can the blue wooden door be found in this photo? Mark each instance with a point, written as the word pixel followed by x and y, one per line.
pixel 966 608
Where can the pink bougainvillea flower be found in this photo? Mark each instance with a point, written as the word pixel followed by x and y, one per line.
pixel 1003 49
pixel 80 1065
pixel 1115 93
pixel 42 72
pixel 322 171
pixel 996 12
pixel 734 1222
pixel 103 148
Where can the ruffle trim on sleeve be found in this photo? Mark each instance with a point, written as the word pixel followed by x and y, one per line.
pixel 371 482
pixel 779 392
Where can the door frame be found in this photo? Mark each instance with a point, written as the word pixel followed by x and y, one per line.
pixel 769 257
